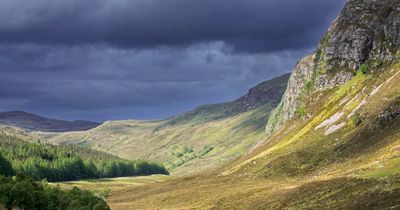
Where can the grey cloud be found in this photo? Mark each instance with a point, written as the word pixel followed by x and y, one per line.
pixel 153 79
pixel 119 59
pixel 249 26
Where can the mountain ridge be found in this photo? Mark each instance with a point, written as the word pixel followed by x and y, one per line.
pixel 35 122
pixel 199 140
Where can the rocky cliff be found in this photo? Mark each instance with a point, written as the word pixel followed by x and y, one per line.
pixel 366 34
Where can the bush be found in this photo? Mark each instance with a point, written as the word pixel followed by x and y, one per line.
pixel 178 154
pixel 206 149
pixel 363 68
pixel 356 119
pixel 301 112
pixel 187 149
pixel 5 167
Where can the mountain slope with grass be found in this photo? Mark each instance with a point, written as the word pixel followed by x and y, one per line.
pixel 32 122
pixel 332 143
pixel 201 140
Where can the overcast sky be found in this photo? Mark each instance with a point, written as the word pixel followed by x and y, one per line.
pixel 148 59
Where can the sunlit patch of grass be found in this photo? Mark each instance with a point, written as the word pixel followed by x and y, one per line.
pixel 384 169
pixel 112 183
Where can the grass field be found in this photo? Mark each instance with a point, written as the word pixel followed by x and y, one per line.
pixel 113 184
pixel 210 192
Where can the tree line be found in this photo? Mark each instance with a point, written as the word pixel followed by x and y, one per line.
pixel 68 162
pixel 22 192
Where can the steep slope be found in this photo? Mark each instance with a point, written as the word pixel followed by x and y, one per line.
pixel 34 122
pixel 197 141
pixel 365 35
pixel 333 141
pixel 347 109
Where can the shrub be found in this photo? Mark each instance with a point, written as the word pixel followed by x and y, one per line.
pixel 363 68
pixel 301 112
pixel 308 87
pixel 206 149
pixel 356 119
pixel 5 167
pixel 187 149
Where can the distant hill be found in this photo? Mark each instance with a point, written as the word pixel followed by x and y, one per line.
pixel 200 140
pixel 267 92
pixel 34 122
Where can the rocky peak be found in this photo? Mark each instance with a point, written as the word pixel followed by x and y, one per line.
pixel 365 32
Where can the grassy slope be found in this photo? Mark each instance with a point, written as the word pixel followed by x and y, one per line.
pixel 217 134
pixel 228 137
pixel 310 150
pixel 299 167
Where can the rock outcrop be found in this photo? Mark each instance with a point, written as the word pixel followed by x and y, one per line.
pixel 367 32
pixel 267 92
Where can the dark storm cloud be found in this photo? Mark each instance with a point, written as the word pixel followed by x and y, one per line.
pixel 149 83
pixel 248 25
pixel 119 59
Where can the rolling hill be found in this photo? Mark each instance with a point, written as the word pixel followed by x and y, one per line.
pixel 34 122
pixel 200 140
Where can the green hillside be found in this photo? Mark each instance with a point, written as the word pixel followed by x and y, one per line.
pixel 198 141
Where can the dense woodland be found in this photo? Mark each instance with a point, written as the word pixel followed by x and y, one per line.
pixel 24 193
pixel 70 162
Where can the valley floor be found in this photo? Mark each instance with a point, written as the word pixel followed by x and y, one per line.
pixel 228 192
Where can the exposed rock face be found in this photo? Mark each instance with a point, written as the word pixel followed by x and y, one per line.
pixel 324 82
pixel 267 92
pixel 366 32
pixel 302 74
